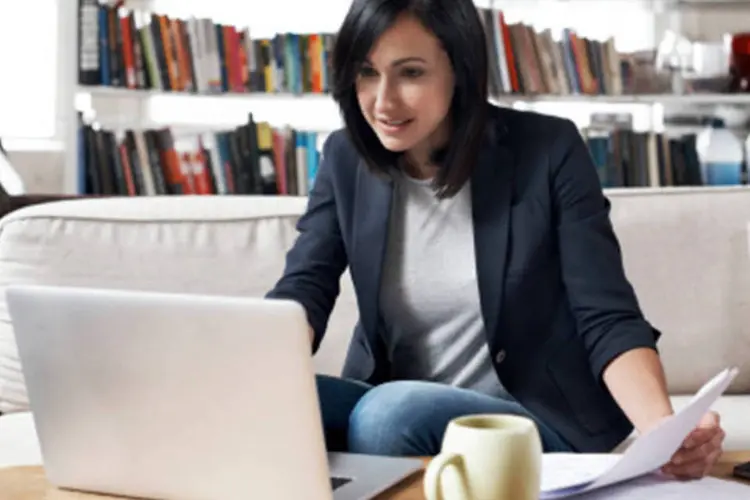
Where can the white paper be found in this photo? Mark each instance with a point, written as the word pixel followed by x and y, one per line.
pixel 560 470
pixel 570 474
pixel 658 487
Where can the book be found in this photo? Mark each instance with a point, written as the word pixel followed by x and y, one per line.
pixel 139 49
pixel 251 158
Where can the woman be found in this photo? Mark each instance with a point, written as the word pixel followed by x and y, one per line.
pixel 487 274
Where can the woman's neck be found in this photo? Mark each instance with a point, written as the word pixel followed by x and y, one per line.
pixel 418 167
pixel 418 160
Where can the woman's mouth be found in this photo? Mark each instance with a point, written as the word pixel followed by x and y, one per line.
pixel 393 126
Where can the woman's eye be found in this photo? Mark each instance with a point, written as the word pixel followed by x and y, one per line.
pixel 412 72
pixel 366 72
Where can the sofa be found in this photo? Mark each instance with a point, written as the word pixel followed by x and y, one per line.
pixel 685 251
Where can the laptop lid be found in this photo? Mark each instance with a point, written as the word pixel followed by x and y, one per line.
pixel 170 395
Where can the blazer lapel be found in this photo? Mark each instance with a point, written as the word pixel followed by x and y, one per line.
pixel 491 200
pixel 372 209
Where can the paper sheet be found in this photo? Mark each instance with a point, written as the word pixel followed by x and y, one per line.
pixel 657 487
pixel 568 474
pixel 560 470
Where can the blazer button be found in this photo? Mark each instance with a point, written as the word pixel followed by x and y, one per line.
pixel 500 356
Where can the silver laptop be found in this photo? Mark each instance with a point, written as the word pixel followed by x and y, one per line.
pixel 177 396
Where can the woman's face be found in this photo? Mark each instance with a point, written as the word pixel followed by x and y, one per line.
pixel 405 88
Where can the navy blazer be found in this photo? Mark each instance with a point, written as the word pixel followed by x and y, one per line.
pixel 556 303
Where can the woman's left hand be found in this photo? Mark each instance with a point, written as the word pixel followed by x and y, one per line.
pixel 700 450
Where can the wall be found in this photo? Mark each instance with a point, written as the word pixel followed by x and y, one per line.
pixel 41 171
pixel 712 23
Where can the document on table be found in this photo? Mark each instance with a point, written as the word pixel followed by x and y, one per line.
pixel 658 487
pixel 653 486
pixel 565 475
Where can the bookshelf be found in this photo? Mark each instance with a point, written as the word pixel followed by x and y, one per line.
pixel 119 107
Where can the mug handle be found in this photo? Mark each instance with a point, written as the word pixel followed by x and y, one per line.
pixel 432 488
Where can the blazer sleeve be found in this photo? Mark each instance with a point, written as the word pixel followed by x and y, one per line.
pixel 317 259
pixel 604 304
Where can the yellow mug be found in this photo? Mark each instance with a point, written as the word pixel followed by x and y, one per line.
pixel 487 457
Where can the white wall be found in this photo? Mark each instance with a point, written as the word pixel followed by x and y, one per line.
pixel 41 171
pixel 713 25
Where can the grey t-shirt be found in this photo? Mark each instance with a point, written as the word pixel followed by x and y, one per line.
pixel 429 294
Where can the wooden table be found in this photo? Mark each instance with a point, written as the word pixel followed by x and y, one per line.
pixel 29 483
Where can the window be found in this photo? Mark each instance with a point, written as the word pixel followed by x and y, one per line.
pixel 28 58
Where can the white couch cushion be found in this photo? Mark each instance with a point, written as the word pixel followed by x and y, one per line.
pixel 686 253
pixel 734 411
pixel 230 245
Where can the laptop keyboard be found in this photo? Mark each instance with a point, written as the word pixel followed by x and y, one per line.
pixel 338 482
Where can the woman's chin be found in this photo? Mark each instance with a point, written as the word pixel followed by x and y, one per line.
pixel 394 144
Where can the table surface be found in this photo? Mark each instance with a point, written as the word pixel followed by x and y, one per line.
pixel 29 483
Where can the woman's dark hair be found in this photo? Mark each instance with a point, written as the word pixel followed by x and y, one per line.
pixel 457 26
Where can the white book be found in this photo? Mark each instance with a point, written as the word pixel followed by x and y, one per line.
pixel 196 53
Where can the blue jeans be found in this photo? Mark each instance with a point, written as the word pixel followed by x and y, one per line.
pixel 406 418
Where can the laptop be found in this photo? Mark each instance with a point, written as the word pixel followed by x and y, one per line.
pixel 178 396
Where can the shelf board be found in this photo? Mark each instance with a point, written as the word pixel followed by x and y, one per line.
pixel 675 190
pixel 684 99
pixel 122 93
pixel 708 4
